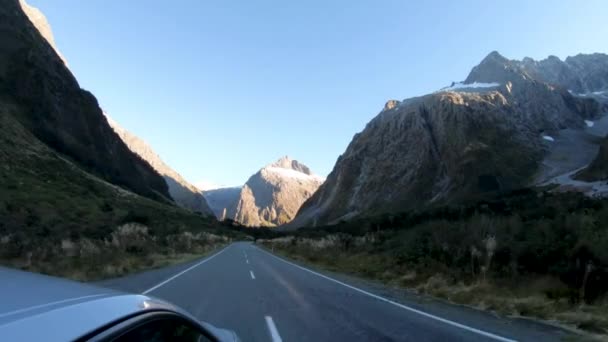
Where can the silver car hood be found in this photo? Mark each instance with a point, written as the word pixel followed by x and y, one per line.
pixel 35 307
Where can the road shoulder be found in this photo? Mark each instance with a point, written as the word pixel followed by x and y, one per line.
pixel 520 328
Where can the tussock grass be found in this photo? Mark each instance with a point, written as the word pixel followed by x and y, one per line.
pixel 538 255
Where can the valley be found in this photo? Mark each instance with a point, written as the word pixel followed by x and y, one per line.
pixel 477 211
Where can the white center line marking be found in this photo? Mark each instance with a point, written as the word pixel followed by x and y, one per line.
pixel 405 307
pixel 184 271
pixel 252 275
pixel 274 333
pixel 247 260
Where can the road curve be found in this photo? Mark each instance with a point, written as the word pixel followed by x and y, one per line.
pixel 266 298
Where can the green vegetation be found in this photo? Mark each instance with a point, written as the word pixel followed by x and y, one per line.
pixel 57 219
pixel 66 118
pixel 530 253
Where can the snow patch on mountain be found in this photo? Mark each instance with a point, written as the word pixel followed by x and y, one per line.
pixel 289 173
pixel 274 194
pixel 463 86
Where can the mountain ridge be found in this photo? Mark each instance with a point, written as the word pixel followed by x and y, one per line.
pixel 61 114
pixel 183 193
pixel 417 152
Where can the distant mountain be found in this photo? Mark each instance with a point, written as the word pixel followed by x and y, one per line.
pixel 270 197
pixel 486 135
pixel 205 185
pixel 184 193
pixel 221 199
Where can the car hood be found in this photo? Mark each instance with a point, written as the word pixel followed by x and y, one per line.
pixel 63 310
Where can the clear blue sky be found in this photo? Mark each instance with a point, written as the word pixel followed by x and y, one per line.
pixel 221 88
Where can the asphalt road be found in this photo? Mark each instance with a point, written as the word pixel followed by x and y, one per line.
pixel 266 298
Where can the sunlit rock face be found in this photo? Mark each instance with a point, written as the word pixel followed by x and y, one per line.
pixel 39 20
pixel 271 197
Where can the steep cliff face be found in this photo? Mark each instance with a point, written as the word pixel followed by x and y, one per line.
pixel 183 193
pixel 485 135
pixel 58 112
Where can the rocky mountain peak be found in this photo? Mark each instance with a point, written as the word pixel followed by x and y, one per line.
pixel 286 162
pixel 581 74
pixel 467 141
pixel 496 57
pixel 390 104
pixel 42 25
pixel 496 68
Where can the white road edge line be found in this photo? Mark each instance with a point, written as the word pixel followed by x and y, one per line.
pixel 405 307
pixel 252 275
pixel 184 271
pixel 274 333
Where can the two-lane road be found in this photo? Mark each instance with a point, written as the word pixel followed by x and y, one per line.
pixel 266 298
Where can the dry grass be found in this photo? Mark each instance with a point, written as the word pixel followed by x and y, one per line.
pixel 153 261
pixel 128 248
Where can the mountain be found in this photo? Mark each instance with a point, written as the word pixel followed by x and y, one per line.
pixel 221 199
pixel 50 104
pixel 270 197
pixel 274 194
pixel 580 74
pixel 39 20
pixel 74 200
pixel 183 193
pixel 486 135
